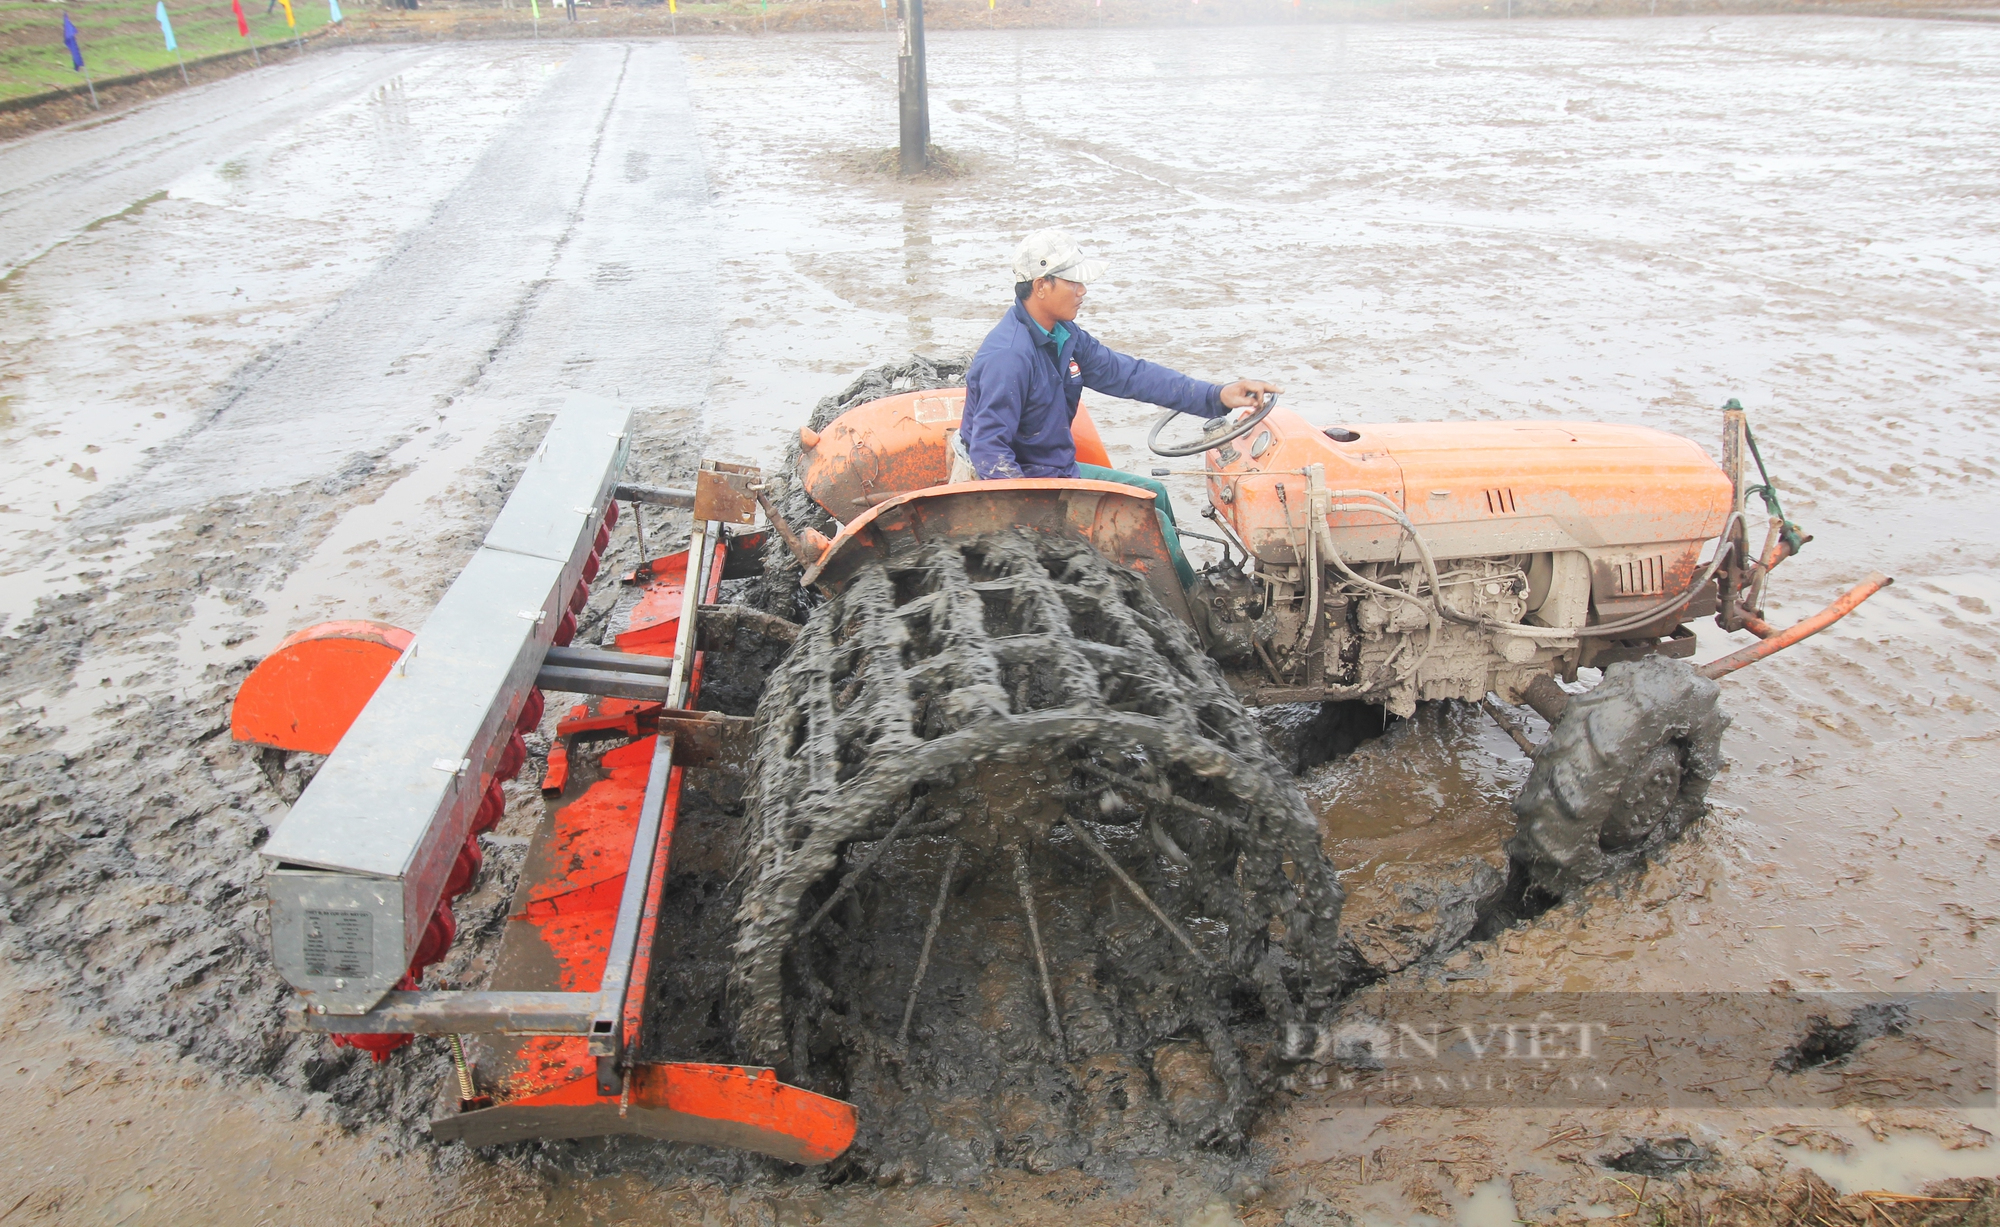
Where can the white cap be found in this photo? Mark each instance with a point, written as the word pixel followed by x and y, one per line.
pixel 1052 253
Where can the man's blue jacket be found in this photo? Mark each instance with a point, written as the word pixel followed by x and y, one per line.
pixel 1021 394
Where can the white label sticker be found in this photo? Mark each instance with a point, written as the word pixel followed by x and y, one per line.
pixel 340 944
pixel 939 408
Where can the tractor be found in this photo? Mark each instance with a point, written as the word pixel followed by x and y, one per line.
pixel 1009 677
pixel 1017 878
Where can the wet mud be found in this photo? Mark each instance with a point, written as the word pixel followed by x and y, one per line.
pixel 1620 220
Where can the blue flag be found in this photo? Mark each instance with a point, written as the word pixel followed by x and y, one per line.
pixel 336 19
pixel 166 27
pixel 69 40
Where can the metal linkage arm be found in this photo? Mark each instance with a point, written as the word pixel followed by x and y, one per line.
pixel 658 496
pixel 459 1013
pixel 1780 640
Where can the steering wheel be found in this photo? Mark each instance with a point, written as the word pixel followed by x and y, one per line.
pixel 1209 440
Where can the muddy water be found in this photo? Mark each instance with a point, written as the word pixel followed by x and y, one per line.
pixel 1435 786
pixel 348 288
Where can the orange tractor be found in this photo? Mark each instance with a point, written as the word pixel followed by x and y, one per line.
pixel 1017 878
pixel 1013 670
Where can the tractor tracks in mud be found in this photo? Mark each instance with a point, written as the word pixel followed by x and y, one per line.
pixel 58 185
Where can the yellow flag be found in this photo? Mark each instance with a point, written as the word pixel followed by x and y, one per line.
pixel 288 14
pixel 673 6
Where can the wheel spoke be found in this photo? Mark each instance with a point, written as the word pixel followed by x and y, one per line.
pixel 1138 892
pixel 867 863
pixel 1035 937
pixel 930 935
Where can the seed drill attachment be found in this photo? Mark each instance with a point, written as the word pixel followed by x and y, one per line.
pixel 422 731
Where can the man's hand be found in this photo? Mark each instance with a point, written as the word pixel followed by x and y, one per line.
pixel 1247 392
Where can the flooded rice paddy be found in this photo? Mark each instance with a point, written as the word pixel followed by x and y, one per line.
pixel 268 349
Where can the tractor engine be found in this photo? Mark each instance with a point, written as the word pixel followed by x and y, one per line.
pixel 1366 636
pixel 1399 563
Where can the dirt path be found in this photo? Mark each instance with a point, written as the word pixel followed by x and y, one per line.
pixel 225 419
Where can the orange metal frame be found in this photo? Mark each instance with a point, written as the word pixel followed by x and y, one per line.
pixel 1120 521
pixel 547 1086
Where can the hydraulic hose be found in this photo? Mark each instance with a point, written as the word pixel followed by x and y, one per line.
pixel 1323 543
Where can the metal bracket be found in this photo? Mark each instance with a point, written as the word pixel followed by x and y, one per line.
pixel 726 493
pixel 710 739
pixel 1735 575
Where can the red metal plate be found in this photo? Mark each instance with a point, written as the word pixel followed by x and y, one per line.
pixel 656 619
pixel 307 692
pixel 715 1105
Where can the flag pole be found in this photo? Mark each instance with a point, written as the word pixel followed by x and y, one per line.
pixel 75 46
pixel 167 32
pixel 243 28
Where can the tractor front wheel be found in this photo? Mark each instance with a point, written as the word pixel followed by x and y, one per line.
pixel 1625 770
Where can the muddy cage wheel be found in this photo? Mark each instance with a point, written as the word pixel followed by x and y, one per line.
pixel 1017 694
pixel 1624 771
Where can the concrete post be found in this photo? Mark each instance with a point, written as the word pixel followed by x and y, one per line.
pixel 913 91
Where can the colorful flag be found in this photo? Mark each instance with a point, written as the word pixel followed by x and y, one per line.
pixel 336 19
pixel 288 14
pixel 166 27
pixel 69 40
pixel 242 22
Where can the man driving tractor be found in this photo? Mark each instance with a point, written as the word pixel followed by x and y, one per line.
pixel 1022 390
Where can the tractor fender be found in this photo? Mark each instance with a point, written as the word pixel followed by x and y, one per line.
pixel 897 445
pixel 1119 521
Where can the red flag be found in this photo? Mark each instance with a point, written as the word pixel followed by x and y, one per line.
pixel 242 25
